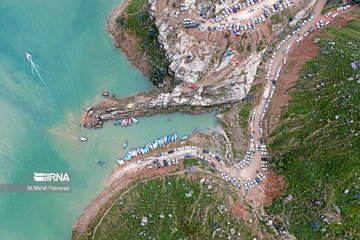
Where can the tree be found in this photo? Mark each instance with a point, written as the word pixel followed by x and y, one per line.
pixel 156 76
pixel 119 20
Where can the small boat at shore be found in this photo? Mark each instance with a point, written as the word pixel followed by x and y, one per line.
pixel 125 144
pixel 185 137
pixel 129 121
pixel 123 123
pixel 118 122
pixel 134 120
pixel 82 139
pixel 195 130
pixel 102 164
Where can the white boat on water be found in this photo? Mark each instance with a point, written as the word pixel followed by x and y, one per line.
pixel 134 120
pixel 82 139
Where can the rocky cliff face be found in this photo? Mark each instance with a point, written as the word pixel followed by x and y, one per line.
pixel 229 91
pixel 191 52
pixel 195 57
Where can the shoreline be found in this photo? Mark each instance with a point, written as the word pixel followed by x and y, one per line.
pixel 128 43
pixel 111 24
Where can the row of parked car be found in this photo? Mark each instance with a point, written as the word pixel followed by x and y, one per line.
pixel 207 160
pixel 263 164
pixel 234 9
pixel 254 181
pixel 214 156
pixel 321 23
pixel 252 120
pixel 175 160
pixel 237 28
pixel 248 157
pixel 233 180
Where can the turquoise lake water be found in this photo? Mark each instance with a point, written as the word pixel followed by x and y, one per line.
pixel 69 41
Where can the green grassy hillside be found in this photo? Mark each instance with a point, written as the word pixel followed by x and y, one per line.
pixel 173 207
pixel 317 143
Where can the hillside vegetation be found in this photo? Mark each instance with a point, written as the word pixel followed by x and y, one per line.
pixel 317 146
pixel 173 207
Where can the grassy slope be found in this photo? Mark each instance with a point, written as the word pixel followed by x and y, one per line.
pixel 182 216
pixel 317 143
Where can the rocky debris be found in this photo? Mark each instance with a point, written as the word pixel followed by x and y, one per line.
pixel 189 56
pixel 336 208
pixel 144 221
pixel 230 91
pixel 222 208
pixel 355 65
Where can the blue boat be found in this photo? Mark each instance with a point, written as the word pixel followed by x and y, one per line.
pixel 185 137
pixel 176 136
pixel 168 138
pixel 128 155
pixel 159 141
pixel 118 122
pixel 172 138
pixel 126 158
pixel 102 164
pixel 125 144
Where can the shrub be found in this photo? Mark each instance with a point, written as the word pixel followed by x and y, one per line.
pixel 120 21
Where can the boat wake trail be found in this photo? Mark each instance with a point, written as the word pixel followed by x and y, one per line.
pixel 35 67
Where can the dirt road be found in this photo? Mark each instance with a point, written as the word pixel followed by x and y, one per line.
pixel 277 62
